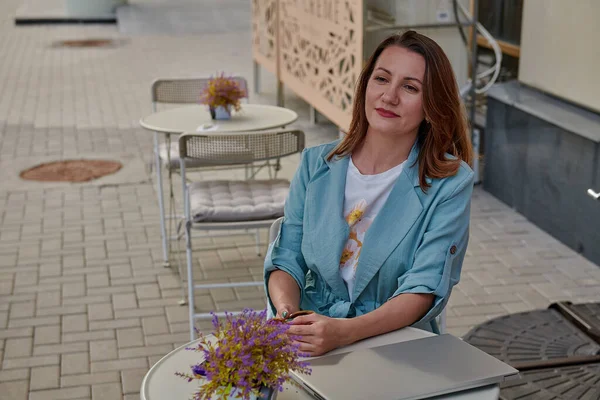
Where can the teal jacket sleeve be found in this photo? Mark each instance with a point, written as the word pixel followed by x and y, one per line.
pixel 285 252
pixel 438 259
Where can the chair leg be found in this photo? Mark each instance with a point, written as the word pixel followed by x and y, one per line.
pixel 183 300
pixel 256 71
pixel 190 279
pixel 161 202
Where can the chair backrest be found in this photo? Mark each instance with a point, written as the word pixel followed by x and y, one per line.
pixel 185 90
pixel 243 148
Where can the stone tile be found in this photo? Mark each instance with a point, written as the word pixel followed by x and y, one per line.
pixel 22 310
pixel 18 347
pixel 102 350
pixel 48 299
pixel 87 336
pixel 147 291
pixel 514 308
pixel 74 364
pixel 115 324
pixel 145 351
pixel 90 379
pixel 78 392
pixel 106 391
pixel 177 314
pixel 97 280
pixel 14 375
pixel 86 300
pixel 132 380
pixel 75 289
pixel 14 390
pixel 16 333
pixel 44 378
pixel 130 337
pixel 478 310
pixel 101 311
pixel 138 312
pixel 508 289
pixel 132 397
pixel 74 323
pixel 155 325
pixel 28 362
pixel 168 282
pixel 120 271
pixel 124 301
pixel 116 365
pixel 26 278
pixel 31 322
pixel 3 320
pixel 176 338
pixel 533 299
pixel 64 310
pixel 37 288
pixel 60 348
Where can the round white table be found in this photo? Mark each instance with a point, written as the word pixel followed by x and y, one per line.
pixel 252 117
pixel 196 118
pixel 161 383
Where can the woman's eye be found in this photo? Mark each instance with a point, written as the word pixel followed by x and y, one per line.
pixel 411 88
pixel 380 79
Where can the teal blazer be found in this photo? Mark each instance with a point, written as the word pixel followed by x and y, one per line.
pixel 416 244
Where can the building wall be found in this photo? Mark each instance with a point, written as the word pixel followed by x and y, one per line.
pixel 413 12
pixel 560 49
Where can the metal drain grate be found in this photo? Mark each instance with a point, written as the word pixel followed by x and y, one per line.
pixel 586 316
pixel 519 339
pixel 580 382
pixel 556 351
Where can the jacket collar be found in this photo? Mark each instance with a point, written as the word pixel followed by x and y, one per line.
pixel 411 166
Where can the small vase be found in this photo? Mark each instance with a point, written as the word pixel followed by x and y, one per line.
pixel 265 394
pixel 220 112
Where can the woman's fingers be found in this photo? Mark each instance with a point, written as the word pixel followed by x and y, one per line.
pixel 300 330
pixel 305 347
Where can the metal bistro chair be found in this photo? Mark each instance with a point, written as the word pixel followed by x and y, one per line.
pixel 232 205
pixel 274 231
pixel 172 92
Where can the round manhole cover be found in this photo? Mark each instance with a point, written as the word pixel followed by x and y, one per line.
pixel 86 43
pixel 71 170
pixel 531 336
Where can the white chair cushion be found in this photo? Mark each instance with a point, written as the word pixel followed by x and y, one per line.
pixel 240 154
pixel 231 201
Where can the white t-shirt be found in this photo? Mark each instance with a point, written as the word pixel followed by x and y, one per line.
pixel 365 195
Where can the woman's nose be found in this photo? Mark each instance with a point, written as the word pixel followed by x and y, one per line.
pixel 390 96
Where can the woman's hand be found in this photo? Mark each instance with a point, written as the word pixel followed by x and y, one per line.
pixel 318 334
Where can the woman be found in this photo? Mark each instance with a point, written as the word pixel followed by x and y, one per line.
pixel 376 225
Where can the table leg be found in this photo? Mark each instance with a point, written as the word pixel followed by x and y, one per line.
pixel 256 77
pixel 161 202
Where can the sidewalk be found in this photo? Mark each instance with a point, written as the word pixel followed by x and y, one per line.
pixel 85 305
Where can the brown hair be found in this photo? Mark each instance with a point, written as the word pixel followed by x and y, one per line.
pixel 447 130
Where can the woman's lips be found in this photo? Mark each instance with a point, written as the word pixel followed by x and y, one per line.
pixel 385 113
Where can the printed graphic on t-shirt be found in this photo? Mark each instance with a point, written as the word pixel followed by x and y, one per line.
pixel 358 228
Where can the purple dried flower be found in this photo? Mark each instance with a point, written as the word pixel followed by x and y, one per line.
pixel 198 369
pixel 246 352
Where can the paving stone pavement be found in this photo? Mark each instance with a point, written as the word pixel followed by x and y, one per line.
pixel 85 304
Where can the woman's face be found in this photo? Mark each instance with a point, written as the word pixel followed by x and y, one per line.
pixel 394 95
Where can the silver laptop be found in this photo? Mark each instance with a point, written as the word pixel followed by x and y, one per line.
pixel 410 370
